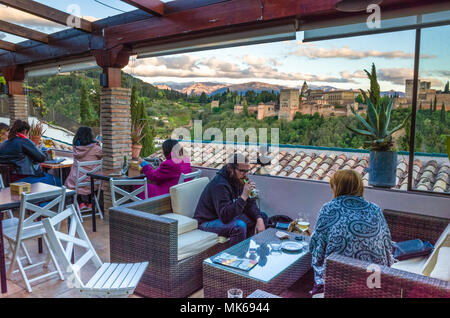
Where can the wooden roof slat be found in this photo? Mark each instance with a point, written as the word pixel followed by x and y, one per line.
pixel 46 12
pixel 155 7
pixel 23 32
pixel 8 46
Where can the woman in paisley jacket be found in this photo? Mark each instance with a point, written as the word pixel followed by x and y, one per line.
pixel 349 225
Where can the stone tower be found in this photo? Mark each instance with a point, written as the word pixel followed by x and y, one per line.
pixel 304 89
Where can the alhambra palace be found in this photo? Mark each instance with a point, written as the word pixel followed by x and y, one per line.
pixel 335 103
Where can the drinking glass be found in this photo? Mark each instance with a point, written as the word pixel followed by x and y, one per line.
pixel 302 222
pixel 235 293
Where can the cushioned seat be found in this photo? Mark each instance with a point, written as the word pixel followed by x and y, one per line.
pixel 195 242
pixel 185 224
pixel 413 265
pixel 185 196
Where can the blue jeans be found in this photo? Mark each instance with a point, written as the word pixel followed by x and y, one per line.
pixel 239 229
pixel 47 178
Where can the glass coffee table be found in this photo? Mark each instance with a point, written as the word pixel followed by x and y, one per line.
pixel 275 271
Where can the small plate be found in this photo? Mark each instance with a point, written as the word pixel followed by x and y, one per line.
pixel 291 246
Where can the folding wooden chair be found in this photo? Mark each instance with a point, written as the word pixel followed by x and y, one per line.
pixel 28 229
pixel 127 196
pixel 110 280
pixel 192 175
pixel 83 181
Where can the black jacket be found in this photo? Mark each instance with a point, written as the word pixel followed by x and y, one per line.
pixel 222 200
pixel 24 155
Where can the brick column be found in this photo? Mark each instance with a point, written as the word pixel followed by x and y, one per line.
pixel 18 108
pixel 115 120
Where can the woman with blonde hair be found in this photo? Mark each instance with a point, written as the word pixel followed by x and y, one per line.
pixel 349 225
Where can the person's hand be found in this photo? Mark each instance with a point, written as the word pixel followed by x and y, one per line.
pixel 140 160
pixel 249 186
pixel 259 226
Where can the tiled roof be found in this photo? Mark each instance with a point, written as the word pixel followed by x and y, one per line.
pixel 428 175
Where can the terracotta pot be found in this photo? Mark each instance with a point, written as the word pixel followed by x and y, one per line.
pixel 36 140
pixel 135 151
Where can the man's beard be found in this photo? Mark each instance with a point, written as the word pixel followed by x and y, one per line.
pixel 234 180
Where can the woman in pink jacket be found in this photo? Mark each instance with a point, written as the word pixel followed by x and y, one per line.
pixel 168 173
pixel 85 148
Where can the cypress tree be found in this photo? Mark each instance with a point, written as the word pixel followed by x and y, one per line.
pixel 447 89
pixel 435 104
pixel 420 106
pixel 85 106
pixel 443 113
pixel 139 114
pixel 431 107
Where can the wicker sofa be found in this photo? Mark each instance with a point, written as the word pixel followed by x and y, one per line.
pixel 347 277
pixel 140 232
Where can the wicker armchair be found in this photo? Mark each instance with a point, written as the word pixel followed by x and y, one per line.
pixel 347 277
pixel 138 233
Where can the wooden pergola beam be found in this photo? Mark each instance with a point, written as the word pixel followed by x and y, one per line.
pixel 48 13
pixel 23 32
pixel 155 7
pixel 7 46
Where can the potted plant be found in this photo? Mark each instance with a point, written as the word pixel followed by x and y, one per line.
pixel 383 158
pixel 36 132
pixel 136 137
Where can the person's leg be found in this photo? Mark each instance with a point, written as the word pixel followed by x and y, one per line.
pixel 46 178
pixel 251 224
pixel 236 230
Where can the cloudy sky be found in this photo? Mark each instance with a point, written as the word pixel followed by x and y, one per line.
pixel 339 63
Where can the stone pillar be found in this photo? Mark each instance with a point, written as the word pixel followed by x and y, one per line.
pixel 115 113
pixel 17 101
pixel 18 107
pixel 115 118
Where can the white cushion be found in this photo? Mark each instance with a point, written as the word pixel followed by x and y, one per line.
pixel 444 240
pixel 185 196
pixel 442 268
pixel 413 265
pixel 194 242
pixel 185 224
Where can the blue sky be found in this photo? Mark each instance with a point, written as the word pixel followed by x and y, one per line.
pixel 337 63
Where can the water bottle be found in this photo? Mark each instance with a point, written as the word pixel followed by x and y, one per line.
pixel 125 166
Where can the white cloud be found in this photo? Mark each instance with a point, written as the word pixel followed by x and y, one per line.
pixel 186 66
pixel 313 52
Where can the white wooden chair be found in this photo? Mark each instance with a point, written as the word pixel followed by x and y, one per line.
pixel 110 280
pixel 127 196
pixel 192 175
pixel 83 181
pixel 28 229
pixel 13 221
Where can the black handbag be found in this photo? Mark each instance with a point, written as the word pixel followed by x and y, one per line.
pixel 273 220
pixel 410 249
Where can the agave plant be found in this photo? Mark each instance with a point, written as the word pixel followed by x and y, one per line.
pixel 136 132
pixel 377 125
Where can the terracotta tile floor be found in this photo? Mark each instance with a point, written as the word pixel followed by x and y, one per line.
pixel 53 287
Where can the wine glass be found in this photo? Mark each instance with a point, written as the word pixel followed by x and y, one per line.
pixel 303 222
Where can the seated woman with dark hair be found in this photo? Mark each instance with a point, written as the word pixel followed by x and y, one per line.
pixel 349 225
pixel 25 156
pixel 4 130
pixel 85 148
pixel 168 173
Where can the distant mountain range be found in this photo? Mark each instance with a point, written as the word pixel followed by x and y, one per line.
pixel 212 88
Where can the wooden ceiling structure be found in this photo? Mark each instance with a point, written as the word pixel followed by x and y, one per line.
pixel 112 40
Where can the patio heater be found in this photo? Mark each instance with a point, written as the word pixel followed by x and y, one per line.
pixel 355 5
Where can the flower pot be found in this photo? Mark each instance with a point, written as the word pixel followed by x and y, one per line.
pixel 382 169
pixel 135 151
pixel 36 140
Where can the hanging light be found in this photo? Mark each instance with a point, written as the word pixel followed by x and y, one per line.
pixel 355 5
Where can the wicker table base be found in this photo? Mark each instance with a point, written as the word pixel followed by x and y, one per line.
pixel 217 279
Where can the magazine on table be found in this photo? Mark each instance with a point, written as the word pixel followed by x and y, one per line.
pixel 226 259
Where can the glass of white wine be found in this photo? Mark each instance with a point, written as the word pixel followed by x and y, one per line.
pixel 302 222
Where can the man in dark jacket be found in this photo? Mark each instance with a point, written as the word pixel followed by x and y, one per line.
pixel 21 152
pixel 225 207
